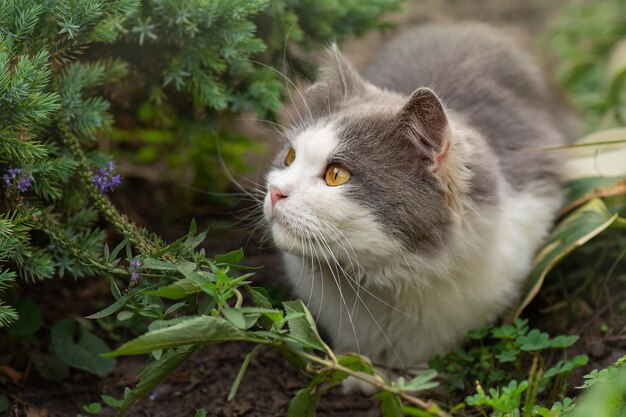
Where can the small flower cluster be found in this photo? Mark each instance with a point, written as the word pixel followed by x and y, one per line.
pixel 105 180
pixel 134 276
pixel 22 179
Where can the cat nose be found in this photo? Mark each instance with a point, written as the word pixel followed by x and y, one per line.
pixel 276 194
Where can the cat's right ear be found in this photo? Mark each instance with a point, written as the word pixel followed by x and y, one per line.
pixel 424 122
pixel 337 81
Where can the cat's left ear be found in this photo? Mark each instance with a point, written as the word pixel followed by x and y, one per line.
pixel 424 122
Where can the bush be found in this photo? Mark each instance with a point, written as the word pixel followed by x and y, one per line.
pixel 193 62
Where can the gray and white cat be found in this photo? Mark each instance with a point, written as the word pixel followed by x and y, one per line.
pixel 407 203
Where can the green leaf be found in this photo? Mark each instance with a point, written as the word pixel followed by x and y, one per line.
pixel 535 340
pixel 302 328
pixel 185 267
pixel 241 373
pixel 157 264
pixel 260 296
pixel 93 408
pixel 152 374
pixel 478 333
pixel 176 290
pixel 230 258
pixel 118 304
pixel 111 401
pixel 422 382
pixel 29 319
pixel 561 342
pixel 49 366
pixel 581 187
pixel 84 354
pixel 116 251
pixel 201 413
pixel 390 404
pixel 507 356
pixel 273 314
pixel 504 332
pixel 115 290
pixel 125 315
pixel 571 233
pixel 203 329
pixel 235 317
pixel 174 308
pixel 356 362
pixel 304 403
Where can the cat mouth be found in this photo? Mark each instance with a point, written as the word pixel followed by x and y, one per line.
pixel 283 225
pixel 286 234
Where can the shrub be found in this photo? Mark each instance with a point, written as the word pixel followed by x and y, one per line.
pixel 196 63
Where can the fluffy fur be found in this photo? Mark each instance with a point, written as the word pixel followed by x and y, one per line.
pixel 436 229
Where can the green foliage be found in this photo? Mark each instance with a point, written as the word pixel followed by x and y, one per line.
pixel 194 300
pixel 216 60
pixel 605 394
pixel 36 39
pixel 586 40
pixel 500 357
pixel 183 66
pixel 82 354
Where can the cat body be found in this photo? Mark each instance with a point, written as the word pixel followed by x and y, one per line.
pixel 447 198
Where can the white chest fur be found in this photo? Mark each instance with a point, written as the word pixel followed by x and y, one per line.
pixel 404 311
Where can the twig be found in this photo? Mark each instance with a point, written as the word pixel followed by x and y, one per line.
pixel 376 382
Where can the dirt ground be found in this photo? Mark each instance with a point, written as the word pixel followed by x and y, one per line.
pixel 270 381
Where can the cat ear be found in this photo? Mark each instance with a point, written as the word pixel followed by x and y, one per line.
pixel 423 121
pixel 337 81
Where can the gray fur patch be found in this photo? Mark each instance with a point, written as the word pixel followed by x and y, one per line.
pixel 485 81
pixel 484 76
pixel 390 177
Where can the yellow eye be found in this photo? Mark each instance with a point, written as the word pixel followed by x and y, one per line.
pixel 336 175
pixel 291 155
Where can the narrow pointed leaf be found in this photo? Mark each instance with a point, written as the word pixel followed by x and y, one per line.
pixel 573 232
pixel 199 330
pixel 303 327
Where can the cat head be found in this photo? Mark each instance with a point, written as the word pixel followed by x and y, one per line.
pixel 364 173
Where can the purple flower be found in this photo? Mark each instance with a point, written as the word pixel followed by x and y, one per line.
pixel 14 172
pixel 132 268
pixel 22 179
pixel 153 396
pixel 105 180
pixel 24 183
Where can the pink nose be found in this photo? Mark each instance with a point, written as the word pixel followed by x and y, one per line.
pixel 276 194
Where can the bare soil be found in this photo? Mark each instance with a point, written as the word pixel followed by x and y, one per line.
pixel 270 381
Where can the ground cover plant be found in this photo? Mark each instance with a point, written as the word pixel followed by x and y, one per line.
pixel 61 66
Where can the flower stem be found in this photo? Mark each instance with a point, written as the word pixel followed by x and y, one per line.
pixel 117 220
pixel 57 235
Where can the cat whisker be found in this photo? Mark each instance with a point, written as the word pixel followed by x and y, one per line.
pixel 313 218
pixel 302 120
pixel 329 251
pixel 285 71
pixel 341 295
